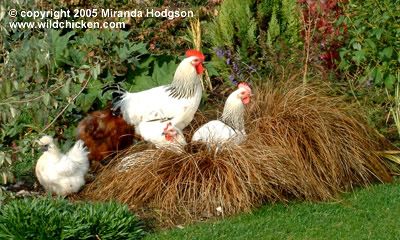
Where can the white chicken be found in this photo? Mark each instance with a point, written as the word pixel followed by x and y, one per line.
pixel 163 135
pixel 176 102
pixel 59 173
pixel 169 138
pixel 230 127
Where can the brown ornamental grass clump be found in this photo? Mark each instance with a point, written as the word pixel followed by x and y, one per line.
pixel 302 144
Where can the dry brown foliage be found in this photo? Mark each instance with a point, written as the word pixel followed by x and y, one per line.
pixel 302 144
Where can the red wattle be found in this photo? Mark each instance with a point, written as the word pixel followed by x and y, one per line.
pixel 246 100
pixel 199 68
pixel 168 137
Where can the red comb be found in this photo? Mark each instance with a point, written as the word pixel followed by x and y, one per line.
pixel 195 53
pixel 168 125
pixel 245 86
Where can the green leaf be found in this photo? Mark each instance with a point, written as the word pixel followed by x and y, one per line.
pixel 142 83
pixel 2 158
pixel 378 33
pixel 164 74
pixel 378 76
pixel 370 43
pixel 46 99
pixel 140 47
pixel 65 89
pixel 359 56
pixel 85 101
pixel 81 77
pixel 95 71
pixel 59 44
pixel 211 69
pixel 390 79
pixel 387 52
pixel 77 57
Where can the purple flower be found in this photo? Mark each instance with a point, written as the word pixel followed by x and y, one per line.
pixel 323 44
pixel 232 79
pixel 370 81
pixel 235 66
pixel 219 52
pixel 229 52
pixel 228 61
pixel 253 68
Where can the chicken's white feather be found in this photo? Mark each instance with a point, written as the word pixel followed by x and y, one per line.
pixel 156 133
pixel 162 135
pixel 230 127
pixel 59 173
pixel 177 101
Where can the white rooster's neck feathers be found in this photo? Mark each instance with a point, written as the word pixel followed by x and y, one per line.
pixel 234 111
pixel 186 80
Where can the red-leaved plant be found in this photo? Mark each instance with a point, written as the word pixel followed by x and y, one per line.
pixel 320 19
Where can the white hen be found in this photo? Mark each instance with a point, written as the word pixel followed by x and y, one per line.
pixel 163 135
pixel 59 173
pixel 230 127
pixel 176 102
pixel 169 138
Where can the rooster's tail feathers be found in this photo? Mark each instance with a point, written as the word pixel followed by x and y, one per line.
pixel 117 96
pixel 118 91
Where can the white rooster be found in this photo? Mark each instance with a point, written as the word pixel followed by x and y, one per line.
pixel 176 102
pixel 230 127
pixel 59 173
pixel 169 138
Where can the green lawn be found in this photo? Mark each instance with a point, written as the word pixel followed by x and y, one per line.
pixel 371 213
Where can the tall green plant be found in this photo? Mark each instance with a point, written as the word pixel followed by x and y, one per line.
pixel 236 26
pixel 245 26
pixel 253 31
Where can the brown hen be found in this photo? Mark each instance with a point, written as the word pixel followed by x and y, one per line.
pixel 104 133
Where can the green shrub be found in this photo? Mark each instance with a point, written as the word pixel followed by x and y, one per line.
pixel 373 46
pixel 60 219
pixel 43 73
pixel 253 32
